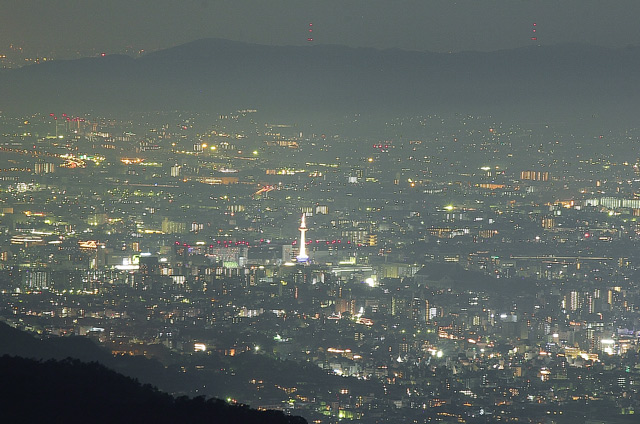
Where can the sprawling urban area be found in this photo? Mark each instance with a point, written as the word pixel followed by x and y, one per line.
pixel 421 269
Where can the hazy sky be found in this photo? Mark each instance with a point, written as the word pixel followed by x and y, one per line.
pixel 436 25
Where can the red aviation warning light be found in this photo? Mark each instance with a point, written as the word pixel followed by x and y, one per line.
pixel 310 30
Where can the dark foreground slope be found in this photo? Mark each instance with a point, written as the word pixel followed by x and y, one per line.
pixel 78 356
pixel 15 342
pixel 71 391
pixel 219 75
pixel 192 375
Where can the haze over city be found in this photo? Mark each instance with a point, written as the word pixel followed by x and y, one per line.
pixel 320 212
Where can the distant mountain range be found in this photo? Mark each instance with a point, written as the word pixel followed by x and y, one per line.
pixel 219 75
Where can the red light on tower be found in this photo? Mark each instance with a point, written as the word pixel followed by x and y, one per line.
pixel 310 30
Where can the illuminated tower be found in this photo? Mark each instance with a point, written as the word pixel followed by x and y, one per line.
pixel 302 255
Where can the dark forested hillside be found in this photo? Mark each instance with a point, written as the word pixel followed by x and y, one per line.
pixel 71 391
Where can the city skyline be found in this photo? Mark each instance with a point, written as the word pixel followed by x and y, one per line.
pixel 332 212
pixel 459 266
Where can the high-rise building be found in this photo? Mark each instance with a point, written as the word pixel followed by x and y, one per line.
pixel 44 168
pixel 534 175
pixel 149 265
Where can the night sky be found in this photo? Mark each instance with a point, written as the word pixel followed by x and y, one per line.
pixel 435 25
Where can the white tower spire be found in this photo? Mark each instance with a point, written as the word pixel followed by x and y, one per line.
pixel 302 254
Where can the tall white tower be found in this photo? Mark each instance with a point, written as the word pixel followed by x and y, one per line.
pixel 302 254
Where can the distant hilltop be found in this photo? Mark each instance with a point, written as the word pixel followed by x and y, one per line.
pixel 212 75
